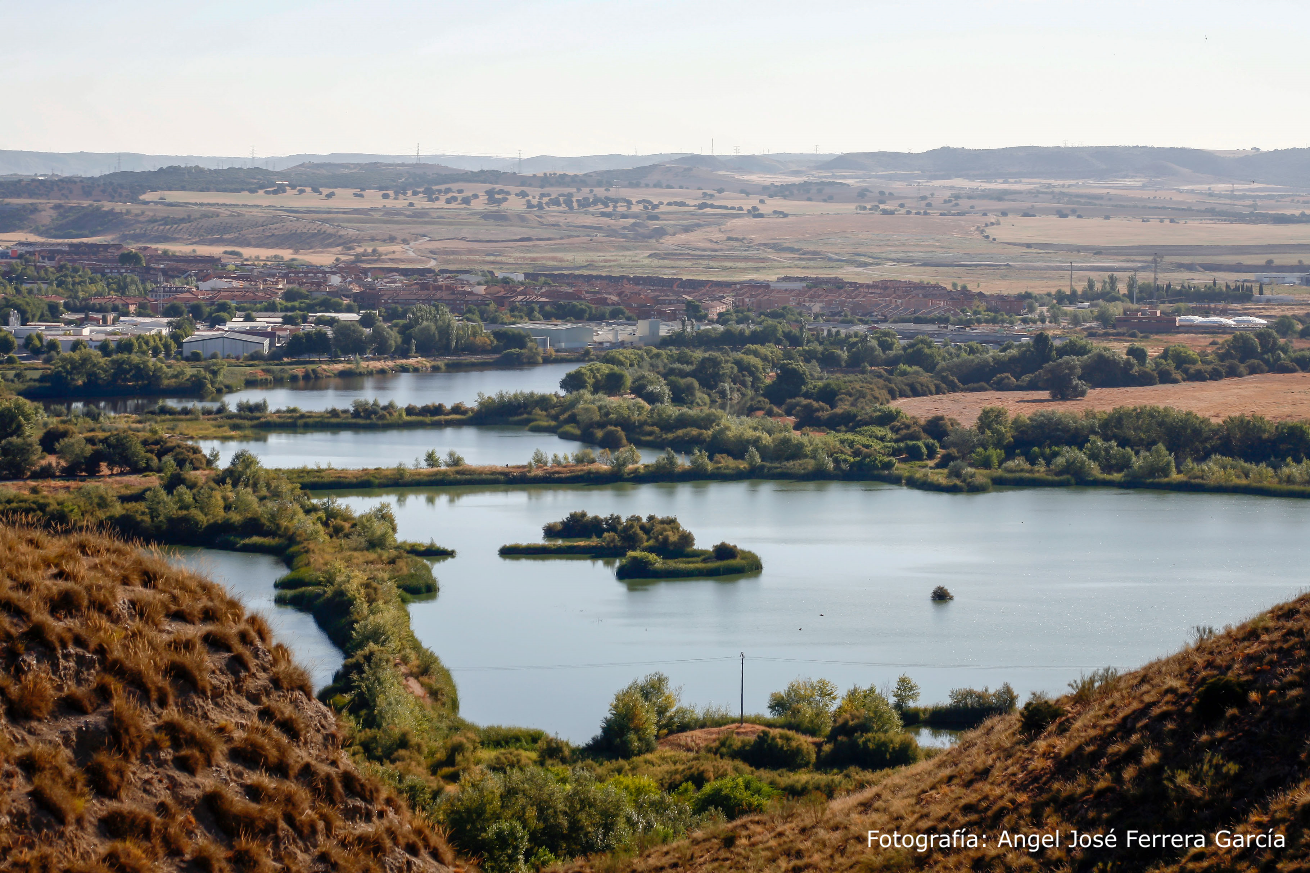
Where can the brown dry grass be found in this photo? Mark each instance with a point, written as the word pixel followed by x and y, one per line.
pixel 151 724
pixel 1276 396
pixel 1156 750
pixel 694 741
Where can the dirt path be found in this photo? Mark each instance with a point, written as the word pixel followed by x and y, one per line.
pixel 1278 396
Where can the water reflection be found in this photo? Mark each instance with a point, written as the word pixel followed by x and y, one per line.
pixel 355 449
pixel 462 386
pixel 940 738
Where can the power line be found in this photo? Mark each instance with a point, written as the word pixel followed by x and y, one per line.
pixel 829 661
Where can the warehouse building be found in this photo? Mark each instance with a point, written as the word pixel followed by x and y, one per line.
pixel 224 344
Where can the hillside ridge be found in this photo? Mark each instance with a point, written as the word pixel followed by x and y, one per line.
pixel 150 723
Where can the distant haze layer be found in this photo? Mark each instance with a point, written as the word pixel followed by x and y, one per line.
pixel 1279 167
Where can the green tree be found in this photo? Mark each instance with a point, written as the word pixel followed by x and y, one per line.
pixel 123 452
pixel 7 343
pixel 1061 379
pixel 630 728
pixel 1155 464
pixel 350 338
pixel 870 709
pixel 666 463
pixel 806 704
pixel 131 258
pixel 383 339
pixel 19 456
pixel 73 453
pixel 905 694
pixel 424 338
pixel 18 417
pixel 34 343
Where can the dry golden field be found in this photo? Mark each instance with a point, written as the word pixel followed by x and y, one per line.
pixel 1280 396
pixel 966 231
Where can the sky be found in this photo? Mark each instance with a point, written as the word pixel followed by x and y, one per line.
pixel 579 77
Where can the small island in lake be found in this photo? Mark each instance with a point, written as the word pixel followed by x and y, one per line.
pixel 651 547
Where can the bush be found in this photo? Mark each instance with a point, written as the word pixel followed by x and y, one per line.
pixel 1217 695
pixel 873 751
pixel 638 564
pixel 1039 712
pixel 941 593
pixel 505 844
pixel 805 705
pixel 779 750
pixel 630 728
pixel 611 438
pixel 18 457
pixel 734 796
pixel 726 552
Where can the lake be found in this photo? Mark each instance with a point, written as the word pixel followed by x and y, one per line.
pixel 404 388
pixel 250 578
pixel 352 449
pixel 1048 583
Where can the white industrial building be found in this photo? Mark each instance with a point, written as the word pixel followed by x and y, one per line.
pixel 225 343
pixel 564 337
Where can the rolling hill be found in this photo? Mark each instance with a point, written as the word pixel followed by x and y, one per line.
pixel 150 723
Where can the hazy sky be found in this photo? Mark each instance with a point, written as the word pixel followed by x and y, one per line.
pixel 583 77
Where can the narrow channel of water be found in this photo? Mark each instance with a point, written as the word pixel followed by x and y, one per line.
pixel 1048 584
pixel 250 578
pixel 403 388
pixel 353 449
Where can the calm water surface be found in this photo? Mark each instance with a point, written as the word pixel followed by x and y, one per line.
pixel 1048 583
pixel 250 579
pixel 403 388
pixel 385 448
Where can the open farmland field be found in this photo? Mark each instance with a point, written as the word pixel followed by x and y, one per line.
pixel 1138 233
pixel 1277 396
pixel 1000 236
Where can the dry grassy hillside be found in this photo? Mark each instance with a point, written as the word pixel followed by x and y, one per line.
pixel 151 724
pixel 1213 738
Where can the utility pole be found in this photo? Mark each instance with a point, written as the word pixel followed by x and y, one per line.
pixel 742 719
pixel 417 146
pixel 1155 273
pixel 520 162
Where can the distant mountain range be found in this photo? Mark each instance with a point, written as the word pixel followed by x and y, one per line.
pixel 1282 167
pixel 103 163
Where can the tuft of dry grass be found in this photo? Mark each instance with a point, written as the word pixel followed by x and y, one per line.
pixel 197 747
pixel 284 718
pixel 32 696
pixel 108 774
pixel 239 818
